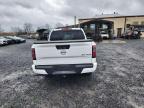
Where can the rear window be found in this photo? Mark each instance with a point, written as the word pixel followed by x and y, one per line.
pixel 67 35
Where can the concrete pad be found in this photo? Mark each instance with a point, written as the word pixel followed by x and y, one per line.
pixel 113 41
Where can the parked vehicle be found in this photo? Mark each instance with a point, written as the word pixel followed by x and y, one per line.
pixel 3 41
pixel 132 33
pixel 21 39
pixel 67 51
pixel 135 34
pixel 9 41
pixel 15 40
pixel 104 35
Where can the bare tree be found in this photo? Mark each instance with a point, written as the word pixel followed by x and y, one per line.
pixel 58 25
pixel 48 27
pixel 1 29
pixel 17 30
pixel 66 25
pixel 28 28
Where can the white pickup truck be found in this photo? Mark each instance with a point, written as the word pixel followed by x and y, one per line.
pixel 67 51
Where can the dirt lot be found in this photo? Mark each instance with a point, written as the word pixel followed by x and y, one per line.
pixel 117 83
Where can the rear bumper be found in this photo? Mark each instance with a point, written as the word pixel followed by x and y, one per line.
pixel 64 69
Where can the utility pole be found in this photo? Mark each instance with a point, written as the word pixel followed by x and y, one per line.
pixel 75 18
pixel 79 26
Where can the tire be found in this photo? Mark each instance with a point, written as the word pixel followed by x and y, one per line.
pixel 87 74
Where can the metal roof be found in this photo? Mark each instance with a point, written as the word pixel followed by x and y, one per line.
pixel 111 16
pixel 67 28
pixel 96 20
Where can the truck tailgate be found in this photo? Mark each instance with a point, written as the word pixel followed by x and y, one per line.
pixel 63 53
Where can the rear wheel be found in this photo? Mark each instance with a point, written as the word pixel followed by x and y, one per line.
pixel 87 74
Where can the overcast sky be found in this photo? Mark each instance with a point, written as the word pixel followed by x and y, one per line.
pixel 40 12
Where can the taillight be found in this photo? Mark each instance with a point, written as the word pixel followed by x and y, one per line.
pixel 94 51
pixel 33 54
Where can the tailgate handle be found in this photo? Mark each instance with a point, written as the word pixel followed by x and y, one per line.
pixel 62 47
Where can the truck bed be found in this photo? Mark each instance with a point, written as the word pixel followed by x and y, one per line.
pixel 69 41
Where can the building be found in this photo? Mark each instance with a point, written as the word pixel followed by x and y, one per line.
pixel 42 34
pixel 121 22
pixel 93 28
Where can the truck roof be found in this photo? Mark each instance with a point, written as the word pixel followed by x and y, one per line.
pixel 67 29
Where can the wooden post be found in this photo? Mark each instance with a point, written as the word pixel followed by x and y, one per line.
pixel 125 25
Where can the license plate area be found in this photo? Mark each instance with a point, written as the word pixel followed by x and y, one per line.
pixel 64 68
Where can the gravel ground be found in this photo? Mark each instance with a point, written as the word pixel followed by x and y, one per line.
pixel 117 83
